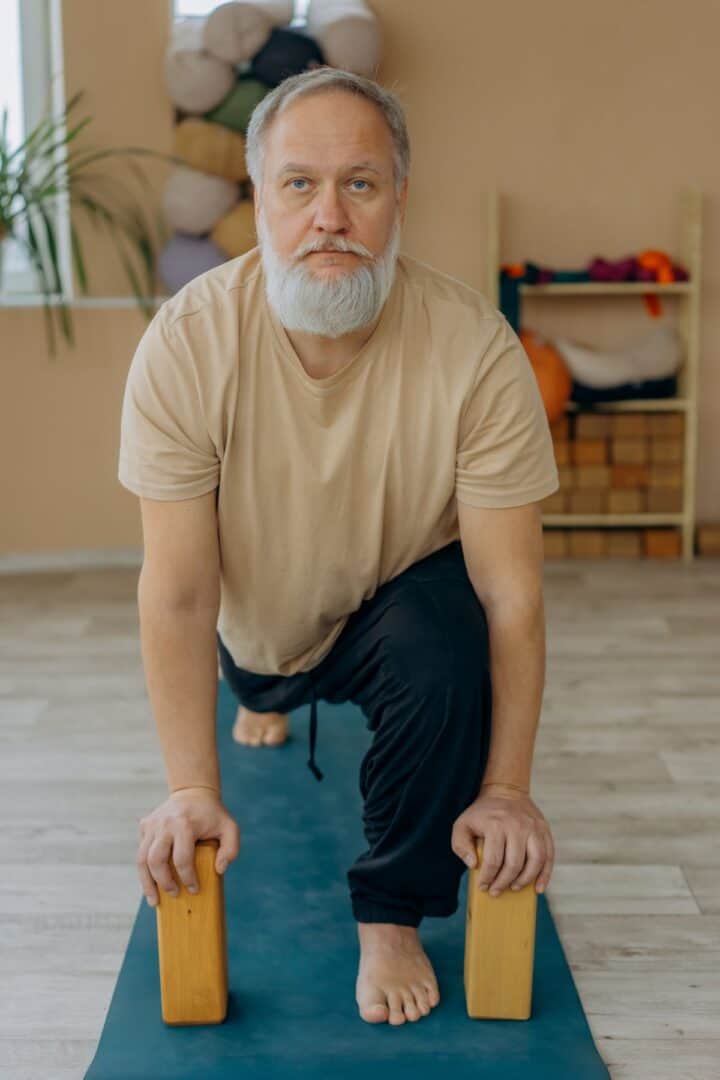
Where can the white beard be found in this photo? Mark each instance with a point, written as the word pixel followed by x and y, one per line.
pixel 333 306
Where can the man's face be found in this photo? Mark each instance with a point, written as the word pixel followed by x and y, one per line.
pixel 327 215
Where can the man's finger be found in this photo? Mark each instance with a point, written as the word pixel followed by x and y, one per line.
pixel 546 872
pixel 146 880
pixel 492 860
pixel 535 861
pixel 184 858
pixel 513 863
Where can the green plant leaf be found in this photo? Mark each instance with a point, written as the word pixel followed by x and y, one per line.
pixel 78 260
pixel 47 164
pixel 63 312
pixel 38 262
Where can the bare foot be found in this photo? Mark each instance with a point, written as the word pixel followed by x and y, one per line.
pixel 256 729
pixel 396 981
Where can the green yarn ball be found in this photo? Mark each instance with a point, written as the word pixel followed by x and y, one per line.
pixel 234 110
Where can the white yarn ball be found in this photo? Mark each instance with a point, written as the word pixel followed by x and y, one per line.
pixel 196 81
pixel 236 31
pixel 193 201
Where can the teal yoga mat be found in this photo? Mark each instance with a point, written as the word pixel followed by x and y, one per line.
pixel 293 951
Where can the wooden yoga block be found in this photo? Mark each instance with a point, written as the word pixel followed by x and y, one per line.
pixel 666 476
pixel 592 476
pixel 630 476
pixel 555 543
pixel 708 539
pixel 587 543
pixel 587 502
pixel 630 425
pixel 192 945
pixel 665 424
pixel 626 501
pixel 663 543
pixel 667 450
pixel 499 950
pixel 664 500
pixel 566 476
pixel 560 428
pixel 624 544
pixel 629 451
pixel 591 425
pixel 555 503
pixel 589 452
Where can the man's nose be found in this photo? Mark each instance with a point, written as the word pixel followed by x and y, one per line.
pixel 330 214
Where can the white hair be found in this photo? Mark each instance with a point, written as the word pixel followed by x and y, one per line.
pixel 315 81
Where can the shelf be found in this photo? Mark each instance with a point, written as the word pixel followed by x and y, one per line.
pixel 32 300
pixel 627 520
pixel 633 405
pixel 689 255
pixel 607 288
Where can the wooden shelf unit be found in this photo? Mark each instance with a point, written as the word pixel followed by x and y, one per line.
pixel 688 294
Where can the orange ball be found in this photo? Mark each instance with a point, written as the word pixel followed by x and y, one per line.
pixel 551 372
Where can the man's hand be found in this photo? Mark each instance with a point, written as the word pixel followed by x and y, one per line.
pixel 517 843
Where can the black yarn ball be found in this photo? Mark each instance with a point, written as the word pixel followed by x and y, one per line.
pixel 285 53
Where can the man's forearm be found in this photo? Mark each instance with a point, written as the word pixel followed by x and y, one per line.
pixel 517 671
pixel 179 649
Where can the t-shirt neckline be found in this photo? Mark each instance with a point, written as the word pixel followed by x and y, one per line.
pixel 350 369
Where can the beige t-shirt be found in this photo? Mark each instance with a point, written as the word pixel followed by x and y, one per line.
pixel 329 487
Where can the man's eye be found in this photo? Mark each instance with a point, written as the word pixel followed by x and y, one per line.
pixel 301 180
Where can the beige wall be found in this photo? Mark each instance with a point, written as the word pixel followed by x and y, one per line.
pixel 590 118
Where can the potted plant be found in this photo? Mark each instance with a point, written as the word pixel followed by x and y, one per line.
pixel 40 169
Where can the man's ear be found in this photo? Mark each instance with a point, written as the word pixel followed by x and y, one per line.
pixel 403 199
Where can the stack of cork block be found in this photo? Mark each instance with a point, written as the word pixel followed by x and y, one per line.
pixel 708 540
pixel 612 463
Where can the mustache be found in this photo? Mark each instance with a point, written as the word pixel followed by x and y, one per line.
pixel 339 244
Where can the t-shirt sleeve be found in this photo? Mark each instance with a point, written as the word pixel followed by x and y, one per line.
pixel 166 451
pixel 505 453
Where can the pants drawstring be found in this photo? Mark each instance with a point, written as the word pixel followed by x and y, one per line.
pixel 313 736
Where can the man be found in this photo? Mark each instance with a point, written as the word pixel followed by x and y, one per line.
pixel 357 446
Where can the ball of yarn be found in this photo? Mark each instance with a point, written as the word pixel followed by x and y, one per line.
pixel 235 233
pixel 194 201
pixel 348 33
pixel 236 31
pixel 280 11
pixel 551 373
pixel 656 355
pixel 184 257
pixel 195 80
pixel 236 108
pixel 211 148
pixel 286 53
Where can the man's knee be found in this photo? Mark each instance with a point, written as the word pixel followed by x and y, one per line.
pixel 436 639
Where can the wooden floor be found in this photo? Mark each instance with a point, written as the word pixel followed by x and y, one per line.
pixel 627 771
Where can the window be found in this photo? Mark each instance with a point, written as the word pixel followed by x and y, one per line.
pixel 184 8
pixel 189 8
pixel 31 86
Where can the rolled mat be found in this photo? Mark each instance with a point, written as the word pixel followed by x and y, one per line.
pixel 236 109
pixel 293 950
pixel 185 257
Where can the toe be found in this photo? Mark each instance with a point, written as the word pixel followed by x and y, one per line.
pixel 275 735
pixel 375 1012
pixel 372 1004
pixel 410 1005
pixel 421 998
pixel 433 995
pixel 397 1015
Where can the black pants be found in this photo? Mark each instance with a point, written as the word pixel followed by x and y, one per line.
pixel 415 659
